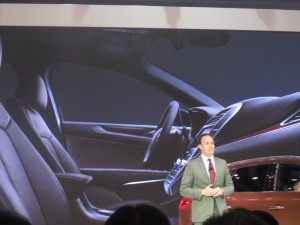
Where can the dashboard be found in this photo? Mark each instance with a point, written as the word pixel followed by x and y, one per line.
pixel 257 127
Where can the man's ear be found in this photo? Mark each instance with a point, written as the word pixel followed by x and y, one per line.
pixel 200 147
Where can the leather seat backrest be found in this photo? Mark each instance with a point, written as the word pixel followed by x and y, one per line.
pixel 27 184
pixel 32 97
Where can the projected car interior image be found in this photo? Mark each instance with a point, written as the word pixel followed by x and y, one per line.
pixel 123 109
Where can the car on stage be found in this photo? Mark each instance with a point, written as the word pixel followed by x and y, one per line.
pixel 265 184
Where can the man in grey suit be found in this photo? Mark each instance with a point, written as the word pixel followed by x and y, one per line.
pixel 206 180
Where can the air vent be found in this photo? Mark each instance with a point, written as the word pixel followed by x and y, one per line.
pixel 215 124
pixel 214 120
pixel 292 119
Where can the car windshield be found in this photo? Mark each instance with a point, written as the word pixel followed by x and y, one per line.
pixel 247 64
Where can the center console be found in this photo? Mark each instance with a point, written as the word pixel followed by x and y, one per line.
pixel 212 127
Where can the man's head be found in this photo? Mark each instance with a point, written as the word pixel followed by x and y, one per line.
pixel 297 186
pixel 206 145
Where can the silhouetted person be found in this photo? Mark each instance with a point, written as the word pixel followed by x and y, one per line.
pixel 9 218
pixel 238 216
pixel 138 215
pixel 266 216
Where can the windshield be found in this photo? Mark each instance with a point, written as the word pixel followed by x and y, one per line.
pixel 250 64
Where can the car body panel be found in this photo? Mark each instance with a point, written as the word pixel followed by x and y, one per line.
pixel 283 206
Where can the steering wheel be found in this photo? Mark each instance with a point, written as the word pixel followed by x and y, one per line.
pixel 157 146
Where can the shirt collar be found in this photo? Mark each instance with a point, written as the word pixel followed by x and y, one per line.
pixel 206 158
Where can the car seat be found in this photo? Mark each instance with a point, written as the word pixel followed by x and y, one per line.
pixel 28 186
pixel 31 98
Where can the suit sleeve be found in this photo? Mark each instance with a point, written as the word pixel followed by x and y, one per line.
pixel 186 187
pixel 228 183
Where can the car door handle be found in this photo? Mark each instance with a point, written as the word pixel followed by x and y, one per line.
pixel 276 207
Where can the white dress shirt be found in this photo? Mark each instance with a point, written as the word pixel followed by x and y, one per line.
pixel 205 161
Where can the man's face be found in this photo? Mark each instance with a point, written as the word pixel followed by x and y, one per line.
pixel 207 146
pixel 297 187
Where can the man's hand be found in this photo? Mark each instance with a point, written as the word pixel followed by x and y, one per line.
pixel 212 192
pixel 209 191
pixel 218 192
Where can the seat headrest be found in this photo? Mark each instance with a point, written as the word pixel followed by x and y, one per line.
pixel 33 92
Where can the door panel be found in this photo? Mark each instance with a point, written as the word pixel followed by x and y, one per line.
pixel 286 207
pixel 282 205
pixel 113 155
pixel 107 146
pixel 131 183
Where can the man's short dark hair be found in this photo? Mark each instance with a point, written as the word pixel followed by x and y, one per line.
pixel 203 135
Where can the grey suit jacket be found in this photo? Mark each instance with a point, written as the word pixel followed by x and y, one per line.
pixel 195 178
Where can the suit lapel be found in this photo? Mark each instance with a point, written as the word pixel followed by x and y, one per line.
pixel 202 168
pixel 218 168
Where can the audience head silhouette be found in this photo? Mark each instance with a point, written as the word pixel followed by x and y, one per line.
pixel 238 216
pixel 9 218
pixel 141 214
pixel 266 217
